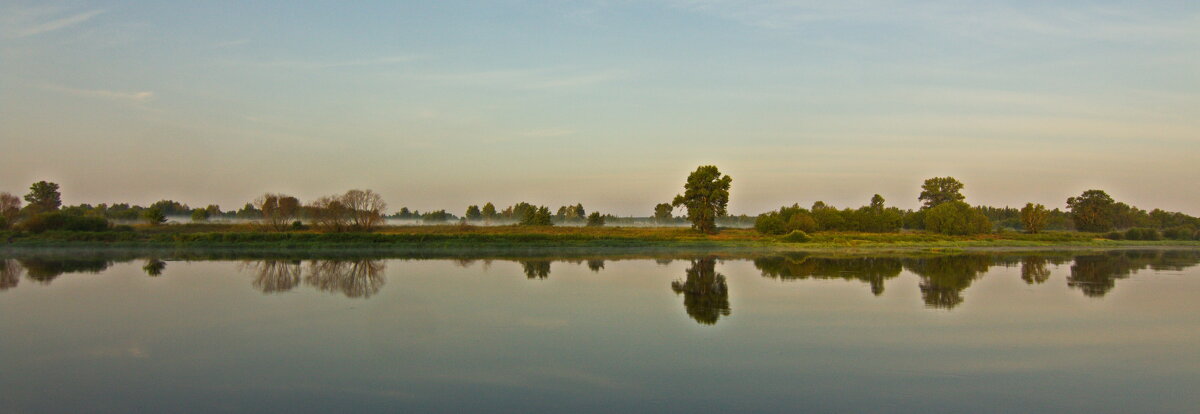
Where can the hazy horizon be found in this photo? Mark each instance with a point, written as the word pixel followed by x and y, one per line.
pixel 606 103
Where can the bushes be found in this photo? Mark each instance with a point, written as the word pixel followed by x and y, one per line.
pixel 59 221
pixel 1142 234
pixel 1179 233
pixel 770 223
pixel 956 218
pixel 796 236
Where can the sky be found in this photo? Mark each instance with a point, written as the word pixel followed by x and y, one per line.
pixel 442 104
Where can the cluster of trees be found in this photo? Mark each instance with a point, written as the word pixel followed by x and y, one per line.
pixel 875 218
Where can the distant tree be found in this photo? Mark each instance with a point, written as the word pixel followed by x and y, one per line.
pixel 473 213
pixel 10 208
pixel 199 215
pixel 1033 217
pixel 539 216
pixel 171 207
pixel 956 218
pixel 329 214
pixel 706 195
pixel 938 190
pixel 662 213
pixel 1092 211
pixel 576 212
pixel 43 197
pixel 154 216
pixel 489 211
pixel 248 212
pixel 595 220
pixel 365 207
pixel 277 210
pixel 213 210
pixel 877 203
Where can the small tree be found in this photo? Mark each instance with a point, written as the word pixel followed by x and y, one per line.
pixel 662 213
pixel 489 211
pixel 154 216
pixel 365 208
pixel 43 197
pixel 473 213
pixel 329 214
pixel 539 216
pixel 277 210
pixel 938 190
pixel 595 220
pixel 706 195
pixel 1033 217
pixel 10 208
pixel 199 215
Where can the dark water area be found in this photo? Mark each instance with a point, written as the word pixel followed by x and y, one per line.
pixel 1083 331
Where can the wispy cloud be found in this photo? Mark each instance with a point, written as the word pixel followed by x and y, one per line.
pixel 136 96
pixel 544 78
pixel 319 64
pixel 25 22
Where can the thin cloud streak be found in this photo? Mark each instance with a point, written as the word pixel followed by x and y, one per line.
pixel 29 22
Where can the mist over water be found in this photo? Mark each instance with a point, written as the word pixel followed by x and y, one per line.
pixel 119 331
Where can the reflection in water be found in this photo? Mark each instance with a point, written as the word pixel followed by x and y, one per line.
pixel 1034 271
pixel 1097 274
pixel 10 274
pixel 272 276
pixel 944 278
pixel 705 294
pixel 45 269
pixel 595 265
pixel 871 270
pixel 154 267
pixel 359 278
pixel 536 269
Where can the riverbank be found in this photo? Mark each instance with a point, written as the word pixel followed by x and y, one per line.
pixel 419 238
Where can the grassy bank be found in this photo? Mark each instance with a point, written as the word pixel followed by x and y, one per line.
pixel 455 236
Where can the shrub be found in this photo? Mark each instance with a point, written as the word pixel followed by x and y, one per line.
pixel 1178 233
pixel 1142 234
pixel 1115 235
pixel 297 225
pixel 796 236
pixel 595 220
pixel 802 222
pixel 58 221
pixel 956 218
pixel 3 223
pixel 769 223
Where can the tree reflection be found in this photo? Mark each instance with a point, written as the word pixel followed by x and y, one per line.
pixel 595 265
pixel 1096 274
pixel 45 269
pixel 10 274
pixel 872 270
pixel 944 278
pixel 1034 270
pixel 354 278
pixel 536 269
pixel 705 294
pixel 272 276
pixel 154 267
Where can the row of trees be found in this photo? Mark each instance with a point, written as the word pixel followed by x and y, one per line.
pixel 705 199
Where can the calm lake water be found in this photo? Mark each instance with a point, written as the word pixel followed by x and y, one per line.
pixel 1115 331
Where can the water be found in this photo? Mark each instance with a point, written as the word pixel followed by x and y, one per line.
pixel 1109 331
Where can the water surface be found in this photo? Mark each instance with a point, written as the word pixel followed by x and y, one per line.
pixel 1110 331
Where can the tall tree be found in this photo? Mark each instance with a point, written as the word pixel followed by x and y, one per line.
pixel 1033 217
pixel 706 195
pixel 1092 211
pixel 938 190
pixel 44 196
pixel 877 203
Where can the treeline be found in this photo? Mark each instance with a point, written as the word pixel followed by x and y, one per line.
pixel 945 211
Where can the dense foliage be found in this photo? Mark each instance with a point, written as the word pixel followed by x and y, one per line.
pixel 706 196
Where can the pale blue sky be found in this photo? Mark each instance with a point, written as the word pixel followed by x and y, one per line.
pixel 610 103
